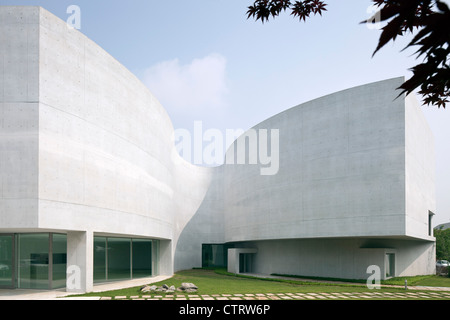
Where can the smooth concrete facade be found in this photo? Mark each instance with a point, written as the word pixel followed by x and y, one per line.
pixel 85 147
pixel 87 150
pixel 356 182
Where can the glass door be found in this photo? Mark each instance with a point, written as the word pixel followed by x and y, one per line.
pixel 245 262
pixel 33 261
pixel 390 265
pixel 6 261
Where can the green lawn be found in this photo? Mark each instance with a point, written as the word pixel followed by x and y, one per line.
pixel 219 282
pixel 431 281
pixel 428 280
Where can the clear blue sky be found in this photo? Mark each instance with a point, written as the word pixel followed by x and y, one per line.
pixel 245 70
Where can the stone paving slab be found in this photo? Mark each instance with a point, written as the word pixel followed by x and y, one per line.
pixel 295 296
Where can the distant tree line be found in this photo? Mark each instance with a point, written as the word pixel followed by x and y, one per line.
pixel 442 244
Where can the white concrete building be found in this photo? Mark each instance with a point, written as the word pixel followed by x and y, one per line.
pixel 93 190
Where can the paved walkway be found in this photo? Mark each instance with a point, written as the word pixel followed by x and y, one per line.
pixel 30 294
pixel 431 295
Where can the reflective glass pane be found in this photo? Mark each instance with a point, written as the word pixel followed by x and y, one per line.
pixel 59 245
pixel 214 255
pixel 119 258
pixel 99 259
pixel 6 262
pixel 33 261
pixel 142 258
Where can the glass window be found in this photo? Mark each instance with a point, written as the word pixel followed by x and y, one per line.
pixel 142 258
pixel 100 246
pixel 33 261
pixel 124 258
pixel 6 261
pixel 119 258
pixel 214 255
pixel 59 248
pixel 430 223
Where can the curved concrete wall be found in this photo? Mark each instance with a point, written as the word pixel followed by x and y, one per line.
pixel 355 181
pixel 102 156
pixel 105 141
pixel 19 118
pixel 205 227
pixel 86 147
pixel 341 172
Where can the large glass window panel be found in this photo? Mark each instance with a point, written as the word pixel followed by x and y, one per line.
pixel 33 261
pixel 119 258
pixel 59 247
pixel 142 258
pixel 100 252
pixel 6 261
pixel 206 255
pixel 214 255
